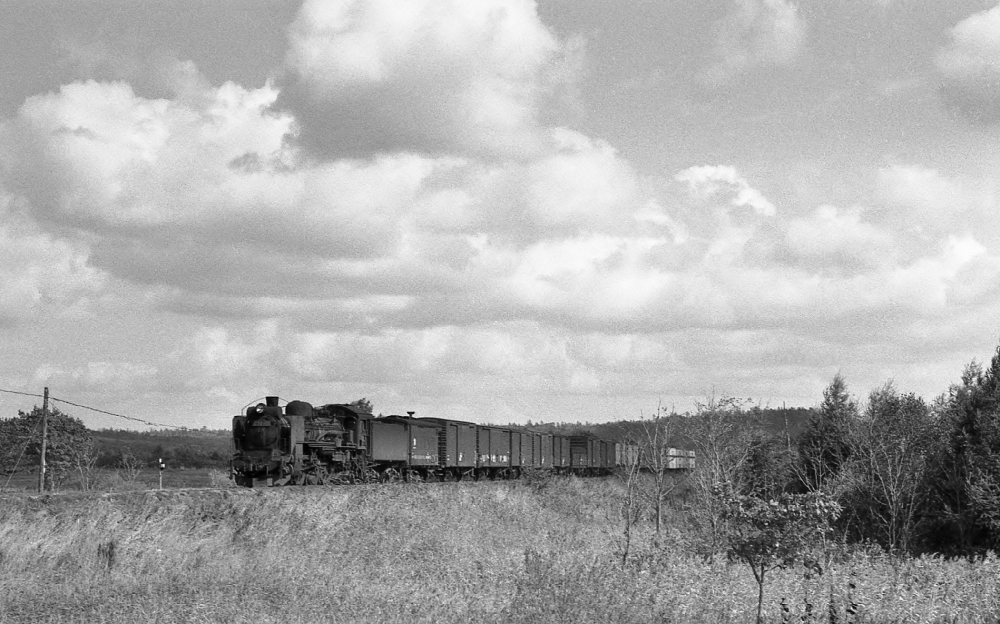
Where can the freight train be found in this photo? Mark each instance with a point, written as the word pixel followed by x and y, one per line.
pixel 344 443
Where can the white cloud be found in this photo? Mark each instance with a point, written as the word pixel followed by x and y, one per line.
pixel 756 33
pixel 367 76
pixel 97 376
pixel 201 199
pixel 97 154
pixel 708 181
pixel 938 204
pixel 583 179
pixel 193 191
pixel 40 274
pixel 970 65
pixel 445 243
pixel 839 238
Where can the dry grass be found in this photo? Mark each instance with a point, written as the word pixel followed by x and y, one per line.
pixel 486 552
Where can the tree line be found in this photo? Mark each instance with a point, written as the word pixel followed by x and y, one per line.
pixel 908 475
pixel 889 470
pixel 75 454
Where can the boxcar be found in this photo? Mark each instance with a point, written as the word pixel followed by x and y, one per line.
pixel 415 439
pixel 492 452
pixel 389 443
pixel 456 447
pixel 545 450
pixel 581 453
pixel 560 453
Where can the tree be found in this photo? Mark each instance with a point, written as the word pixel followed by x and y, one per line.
pixel 83 458
pixel 767 534
pixel 631 505
pixel 20 442
pixel 967 480
pixel 825 445
pixel 767 470
pixel 891 450
pixel 129 466
pixel 951 522
pixel 721 433
pixel 657 457
pixel 363 405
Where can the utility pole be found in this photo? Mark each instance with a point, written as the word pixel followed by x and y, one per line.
pixel 45 435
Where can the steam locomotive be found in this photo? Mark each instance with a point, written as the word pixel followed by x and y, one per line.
pixel 344 443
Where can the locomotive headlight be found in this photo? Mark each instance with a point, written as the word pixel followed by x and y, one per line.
pixel 260 408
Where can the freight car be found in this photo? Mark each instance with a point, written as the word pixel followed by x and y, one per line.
pixel 340 443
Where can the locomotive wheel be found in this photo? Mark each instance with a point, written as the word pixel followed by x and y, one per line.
pixel 390 475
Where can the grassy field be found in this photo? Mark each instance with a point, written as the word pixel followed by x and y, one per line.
pixel 110 480
pixel 511 552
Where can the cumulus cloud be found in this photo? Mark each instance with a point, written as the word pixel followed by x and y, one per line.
pixel 490 364
pixel 97 376
pixel 424 233
pixel 710 181
pixel 756 33
pixel 201 192
pixel 840 239
pixel 201 200
pixel 937 204
pixel 374 76
pixel 98 155
pixel 43 274
pixel 970 66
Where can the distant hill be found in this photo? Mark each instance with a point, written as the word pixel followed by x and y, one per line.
pixel 187 448
pixel 778 421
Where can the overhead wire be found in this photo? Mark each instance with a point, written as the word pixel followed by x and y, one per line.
pixel 94 409
pixel 100 411
pixel 22 393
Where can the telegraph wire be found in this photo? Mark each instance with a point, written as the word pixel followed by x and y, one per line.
pixel 94 409
pixel 100 411
pixel 39 396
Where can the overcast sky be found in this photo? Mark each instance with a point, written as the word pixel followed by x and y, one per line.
pixel 494 210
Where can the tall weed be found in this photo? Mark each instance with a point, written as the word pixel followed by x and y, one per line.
pixel 538 551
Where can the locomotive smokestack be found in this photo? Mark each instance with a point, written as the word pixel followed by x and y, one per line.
pixel 272 401
pixel 410 414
